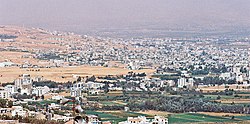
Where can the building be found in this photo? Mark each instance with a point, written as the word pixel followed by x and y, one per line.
pixel 144 120
pixel 5 111
pixel 24 84
pixel 171 83
pixel 39 91
pixel 18 111
pixel 10 89
pixel 181 82
pixel 92 119
pixel 76 89
pixel 6 64
pixel 225 76
pixel 239 78
pixel 4 94
pixel 9 122
pixel 190 82
pixel 159 120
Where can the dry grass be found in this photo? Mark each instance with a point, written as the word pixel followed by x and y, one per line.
pixel 220 114
pixel 153 113
pixel 16 57
pixel 120 102
pixel 237 101
pixel 64 94
pixel 30 39
pixel 64 74
pixel 222 88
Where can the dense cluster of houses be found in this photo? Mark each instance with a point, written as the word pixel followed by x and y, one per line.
pixel 23 85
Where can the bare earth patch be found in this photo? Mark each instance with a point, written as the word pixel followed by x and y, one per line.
pixel 153 112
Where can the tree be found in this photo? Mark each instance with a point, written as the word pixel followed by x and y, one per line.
pixel 3 103
pixel 79 79
pixel 106 88
pixel 19 90
pixel 218 97
pixel 42 97
pixel 10 104
pixel 92 78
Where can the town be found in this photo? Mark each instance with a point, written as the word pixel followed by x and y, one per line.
pixel 160 78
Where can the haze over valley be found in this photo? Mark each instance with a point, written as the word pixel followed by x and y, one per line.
pixel 132 18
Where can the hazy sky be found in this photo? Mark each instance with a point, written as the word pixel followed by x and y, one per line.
pixel 89 15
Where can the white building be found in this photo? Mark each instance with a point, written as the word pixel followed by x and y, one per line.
pixel 78 87
pixel 39 91
pixel 144 120
pixel 92 119
pixel 18 110
pixel 6 64
pixel 159 120
pixel 181 82
pixel 239 78
pixel 225 76
pixel 57 97
pixel 24 84
pixel 4 94
pixel 249 75
pixel 190 82
pixel 10 89
pixel 54 106
pixel 171 83
pixel 93 85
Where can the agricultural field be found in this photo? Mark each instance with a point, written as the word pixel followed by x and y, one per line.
pixel 196 118
pixel 214 97
pixel 207 89
pixel 115 116
pixel 63 74
pixel 235 101
pixel 112 103
pixel 188 118
pixel 154 112
pixel 242 98
pixel 221 114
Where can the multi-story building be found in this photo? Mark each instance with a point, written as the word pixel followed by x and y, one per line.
pixel 24 84
pixel 181 82
pixel 4 94
pixel 10 89
pixel 39 91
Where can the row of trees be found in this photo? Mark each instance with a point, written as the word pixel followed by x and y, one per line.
pixel 5 36
pixel 180 104
pixel 214 80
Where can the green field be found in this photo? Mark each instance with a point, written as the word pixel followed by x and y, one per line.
pixel 243 117
pixel 116 117
pixel 214 97
pixel 191 118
